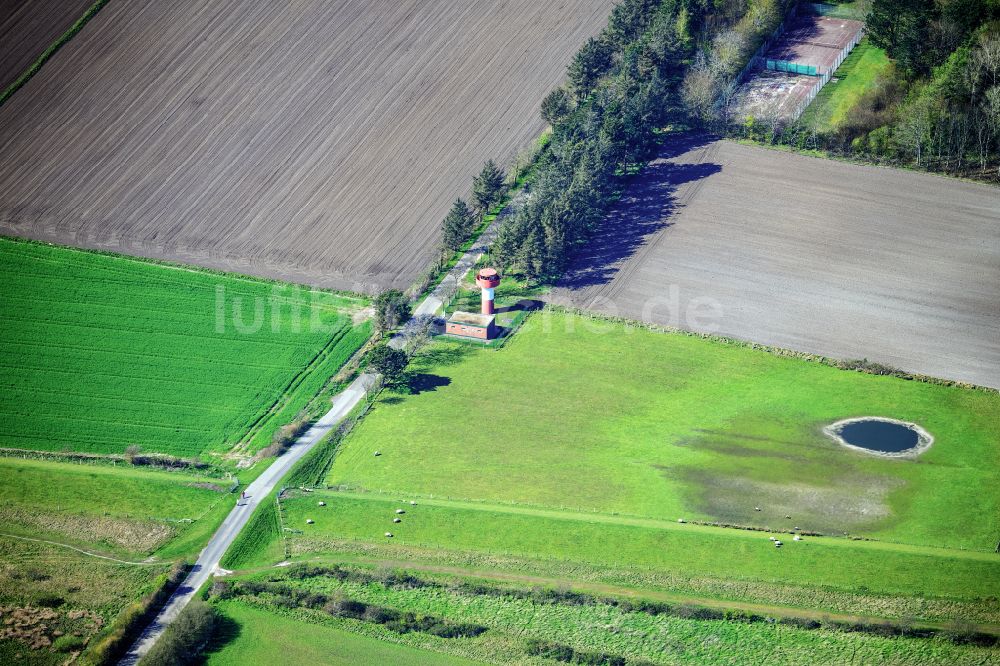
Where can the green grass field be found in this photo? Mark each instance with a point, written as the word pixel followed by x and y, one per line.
pixel 855 76
pixel 251 636
pixel 567 457
pixel 690 550
pixel 122 510
pixel 591 416
pixel 100 352
pixel 82 541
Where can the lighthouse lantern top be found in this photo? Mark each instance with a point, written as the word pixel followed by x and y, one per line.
pixel 487 278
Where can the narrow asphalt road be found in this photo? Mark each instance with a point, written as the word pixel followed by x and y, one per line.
pixel 258 491
pixel 208 561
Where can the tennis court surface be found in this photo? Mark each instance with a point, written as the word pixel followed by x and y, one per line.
pixel 794 68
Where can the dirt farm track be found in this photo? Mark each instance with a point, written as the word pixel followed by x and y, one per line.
pixel 809 254
pixel 319 142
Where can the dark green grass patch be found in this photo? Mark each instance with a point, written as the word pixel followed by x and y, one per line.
pixel 263 637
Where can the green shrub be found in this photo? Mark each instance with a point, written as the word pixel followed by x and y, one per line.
pixel 133 619
pixel 184 640
pixel 68 643
pixel 566 654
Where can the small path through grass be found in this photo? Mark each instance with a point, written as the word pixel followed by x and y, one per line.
pixel 80 550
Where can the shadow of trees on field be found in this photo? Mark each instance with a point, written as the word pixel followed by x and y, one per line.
pixel 645 209
pixel 226 631
pixel 804 42
pixel 416 383
pixel 675 145
pixel 440 356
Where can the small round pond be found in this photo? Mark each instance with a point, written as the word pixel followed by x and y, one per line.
pixel 881 436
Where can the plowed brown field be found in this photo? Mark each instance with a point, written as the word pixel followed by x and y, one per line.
pixel 319 142
pixel 809 254
pixel 27 28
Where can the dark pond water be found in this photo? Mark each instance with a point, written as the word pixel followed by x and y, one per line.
pixel 879 436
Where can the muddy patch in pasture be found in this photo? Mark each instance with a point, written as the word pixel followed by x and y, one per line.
pixel 845 505
pixel 751 473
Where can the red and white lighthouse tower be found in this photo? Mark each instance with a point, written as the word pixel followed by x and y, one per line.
pixel 487 279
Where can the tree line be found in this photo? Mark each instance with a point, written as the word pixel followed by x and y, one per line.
pixel 645 73
pixel 677 63
pixel 619 93
pixel 936 107
pixel 488 190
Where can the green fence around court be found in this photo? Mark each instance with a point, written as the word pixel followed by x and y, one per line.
pixel 792 67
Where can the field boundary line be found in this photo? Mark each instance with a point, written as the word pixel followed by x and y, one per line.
pixel 177 266
pixel 291 387
pixel 51 50
pixel 774 350
pixel 81 550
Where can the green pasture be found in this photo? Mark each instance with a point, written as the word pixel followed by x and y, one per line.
pixel 250 635
pixel 100 352
pixel 855 76
pixel 122 509
pixel 691 551
pixel 588 415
